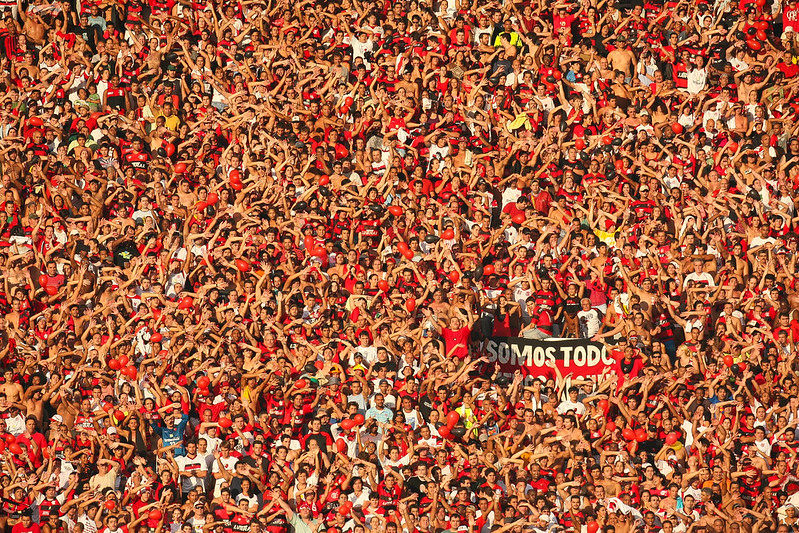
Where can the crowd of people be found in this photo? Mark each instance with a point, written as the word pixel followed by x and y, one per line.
pixel 252 254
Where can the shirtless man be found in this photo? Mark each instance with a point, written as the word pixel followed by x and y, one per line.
pixel 34 27
pixel 602 69
pixel 36 396
pixel 622 59
pixel 13 391
pixel 15 316
pixel 9 157
pixel 27 66
pixel 187 197
pixel 612 487
pixel 81 412
pixel 645 292
pixel 746 85
pixel 406 83
pixel 8 185
pixel 318 60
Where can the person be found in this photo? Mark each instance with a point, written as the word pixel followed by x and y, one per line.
pixel 379 413
pixel 26 524
pixel 572 404
pixel 589 319
pixel 191 468
pixel 302 522
pixel 456 336
pixel 272 266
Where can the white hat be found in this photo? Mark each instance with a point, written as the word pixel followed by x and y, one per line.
pixel 785 31
pixel 57 418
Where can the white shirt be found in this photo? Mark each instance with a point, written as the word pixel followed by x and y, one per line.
pixel 251 500
pixel 89 525
pixel 697 79
pixel 207 458
pixel 764 446
pixel 412 418
pixel 703 278
pixel 696 493
pixel 590 322
pixel 191 464
pixel 439 151
pixel 760 241
pixel 360 500
pixel 213 444
pixel 141 215
pixel 390 400
pixel 81 80
pixel 739 65
pixel 510 195
pixel 369 354
pixel 16 424
pixel 715 115
pixel 520 296
pixel 230 465
pixel 398 464
pixel 179 279
pixel 691 325
pixel 547 104
pixel 567 406
pixel 479 31
pixel 359 399
pixel 196 524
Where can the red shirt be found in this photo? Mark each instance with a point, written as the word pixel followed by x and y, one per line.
pixel 790 16
pixel 563 23
pixel 455 338
pixel 19 528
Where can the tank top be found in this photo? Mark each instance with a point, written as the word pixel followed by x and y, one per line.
pixel 625 366
pixel 502 326
pixel 571 305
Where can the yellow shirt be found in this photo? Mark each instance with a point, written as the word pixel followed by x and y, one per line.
pixel 170 122
pixel 467 415
pixel 608 237
pixel 513 38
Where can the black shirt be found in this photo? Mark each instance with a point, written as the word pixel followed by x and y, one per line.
pixel 124 252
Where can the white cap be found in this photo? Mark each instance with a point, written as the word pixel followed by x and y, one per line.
pixel 57 418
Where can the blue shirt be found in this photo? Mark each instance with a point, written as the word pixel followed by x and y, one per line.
pixel 384 416
pixel 173 435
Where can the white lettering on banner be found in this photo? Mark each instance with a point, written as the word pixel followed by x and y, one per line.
pixel 515 355
pixel 491 348
pixel 567 356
